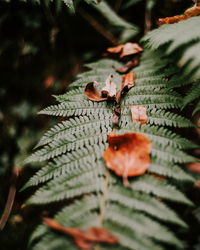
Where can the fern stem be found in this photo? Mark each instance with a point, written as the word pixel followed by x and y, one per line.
pixel 10 200
pixel 98 27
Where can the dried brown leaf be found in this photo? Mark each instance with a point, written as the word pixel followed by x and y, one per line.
pixel 128 80
pixel 128 154
pixel 139 114
pixel 92 93
pixel 84 239
pixel 116 49
pixel 125 49
pixel 194 11
pixel 127 83
pixel 110 88
pixel 130 49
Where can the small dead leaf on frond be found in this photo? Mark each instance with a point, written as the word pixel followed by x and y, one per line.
pixel 92 92
pixel 191 12
pixel 110 88
pixel 85 240
pixel 126 49
pixel 128 80
pixel 107 93
pixel 139 114
pixel 128 154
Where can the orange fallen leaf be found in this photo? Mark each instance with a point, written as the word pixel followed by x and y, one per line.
pixel 128 154
pixel 92 93
pixel 130 49
pixel 194 11
pixel 128 80
pixel 84 239
pixel 116 49
pixel 110 88
pixel 139 114
pixel 125 49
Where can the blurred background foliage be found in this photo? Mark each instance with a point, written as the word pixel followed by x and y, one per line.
pixel 42 48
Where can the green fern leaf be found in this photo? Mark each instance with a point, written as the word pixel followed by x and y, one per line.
pixel 75 170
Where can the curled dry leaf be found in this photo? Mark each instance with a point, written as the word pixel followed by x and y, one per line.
pixel 128 80
pixel 130 49
pixel 127 83
pixel 126 49
pixel 110 88
pixel 128 154
pixel 84 239
pixel 194 11
pixel 139 114
pixel 92 93
pixel 107 92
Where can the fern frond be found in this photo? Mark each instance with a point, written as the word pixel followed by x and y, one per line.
pixel 128 30
pixel 140 223
pixel 69 4
pixel 74 126
pixel 61 189
pixel 75 169
pixel 76 109
pixel 169 170
pixel 193 93
pixel 178 34
pixel 58 241
pixel 160 188
pixel 158 135
pixel 175 36
pixel 139 202
pixel 131 240
pixel 197 108
pixel 73 142
pixel 161 118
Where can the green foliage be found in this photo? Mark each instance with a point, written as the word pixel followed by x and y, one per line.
pixel 182 38
pixel 75 171
pixel 128 30
pixel 131 2
pixel 182 42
